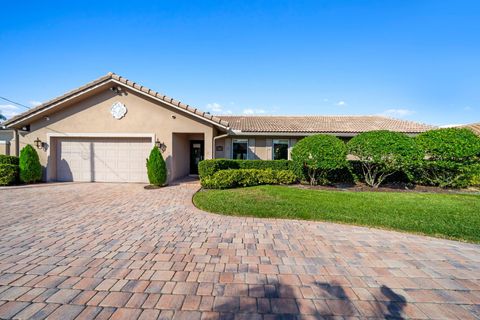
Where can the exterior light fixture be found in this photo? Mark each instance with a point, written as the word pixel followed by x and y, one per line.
pixel 38 143
pixel 162 146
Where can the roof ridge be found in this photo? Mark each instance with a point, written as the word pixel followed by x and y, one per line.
pixel 296 115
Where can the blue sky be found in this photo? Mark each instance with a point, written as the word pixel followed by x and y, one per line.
pixel 417 60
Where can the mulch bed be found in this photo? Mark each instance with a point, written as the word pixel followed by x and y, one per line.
pixel 390 187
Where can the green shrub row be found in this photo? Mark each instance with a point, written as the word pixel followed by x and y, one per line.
pixel 207 168
pixel 232 178
pixel 8 174
pixel 8 159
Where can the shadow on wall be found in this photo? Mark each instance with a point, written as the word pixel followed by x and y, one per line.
pixel 66 173
pixel 322 300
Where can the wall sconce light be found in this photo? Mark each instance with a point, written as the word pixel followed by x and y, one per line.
pixel 161 145
pixel 116 90
pixel 38 143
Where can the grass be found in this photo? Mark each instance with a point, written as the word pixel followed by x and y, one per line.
pixel 453 216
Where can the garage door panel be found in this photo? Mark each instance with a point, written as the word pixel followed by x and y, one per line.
pixel 102 159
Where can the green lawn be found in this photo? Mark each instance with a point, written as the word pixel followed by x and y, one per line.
pixel 454 216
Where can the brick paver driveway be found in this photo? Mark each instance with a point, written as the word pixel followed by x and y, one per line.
pixel 119 251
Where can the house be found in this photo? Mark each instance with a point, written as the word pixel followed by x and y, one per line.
pixel 104 131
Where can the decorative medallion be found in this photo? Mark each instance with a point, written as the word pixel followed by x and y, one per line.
pixel 118 110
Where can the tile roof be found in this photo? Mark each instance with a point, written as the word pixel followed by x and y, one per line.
pixel 109 77
pixel 475 127
pixel 319 124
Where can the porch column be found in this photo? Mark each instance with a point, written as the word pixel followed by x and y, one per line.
pixel 208 139
pixel 16 137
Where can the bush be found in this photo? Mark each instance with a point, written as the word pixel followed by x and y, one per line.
pixel 233 178
pixel 8 159
pixel 383 153
pixel 451 157
pixel 30 167
pixel 316 156
pixel 209 167
pixel 8 174
pixel 156 168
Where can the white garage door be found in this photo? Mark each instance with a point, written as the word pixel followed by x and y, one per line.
pixel 103 159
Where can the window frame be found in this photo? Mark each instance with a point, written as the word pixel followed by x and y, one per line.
pixel 278 141
pixel 241 141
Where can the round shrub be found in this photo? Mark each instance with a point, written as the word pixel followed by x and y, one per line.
pixel 8 174
pixel 156 168
pixel 382 153
pixel 30 167
pixel 315 156
pixel 450 144
pixel 451 157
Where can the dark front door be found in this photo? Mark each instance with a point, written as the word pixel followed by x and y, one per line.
pixel 196 155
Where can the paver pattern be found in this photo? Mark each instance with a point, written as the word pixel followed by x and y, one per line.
pixel 117 251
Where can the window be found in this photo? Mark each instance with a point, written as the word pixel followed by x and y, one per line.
pixel 240 149
pixel 280 149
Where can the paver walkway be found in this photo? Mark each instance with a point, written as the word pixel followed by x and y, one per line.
pixel 112 251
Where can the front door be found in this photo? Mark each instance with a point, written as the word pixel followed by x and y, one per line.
pixel 196 155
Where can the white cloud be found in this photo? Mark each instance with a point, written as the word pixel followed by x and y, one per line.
pixel 34 103
pixel 451 125
pixel 400 113
pixel 325 100
pixel 341 103
pixel 217 108
pixel 468 108
pixel 9 110
pixel 250 111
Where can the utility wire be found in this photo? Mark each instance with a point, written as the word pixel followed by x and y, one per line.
pixel 18 104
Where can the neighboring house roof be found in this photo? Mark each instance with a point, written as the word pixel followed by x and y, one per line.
pixel 475 127
pixel 322 124
pixel 112 77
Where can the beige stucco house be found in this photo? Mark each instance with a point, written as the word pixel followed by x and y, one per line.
pixel 104 131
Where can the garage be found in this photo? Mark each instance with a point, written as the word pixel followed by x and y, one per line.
pixel 102 159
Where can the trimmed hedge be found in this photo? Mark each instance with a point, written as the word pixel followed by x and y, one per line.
pixel 209 167
pixel 8 174
pixel 8 159
pixel 233 178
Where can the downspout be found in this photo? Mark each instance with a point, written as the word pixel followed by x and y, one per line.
pixel 215 142
pixel 16 135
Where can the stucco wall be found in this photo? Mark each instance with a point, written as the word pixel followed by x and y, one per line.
pixel 144 116
pixel 5 148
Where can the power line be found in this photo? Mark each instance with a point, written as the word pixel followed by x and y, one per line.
pixel 18 104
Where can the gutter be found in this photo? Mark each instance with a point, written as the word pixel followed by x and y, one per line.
pixel 215 143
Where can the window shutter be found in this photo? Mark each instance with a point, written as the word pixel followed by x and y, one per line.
pixel 228 148
pixel 251 149
pixel 268 144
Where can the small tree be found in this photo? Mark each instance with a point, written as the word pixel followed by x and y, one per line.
pixel 316 156
pixel 156 168
pixel 451 157
pixel 382 153
pixel 30 167
pixel 2 117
